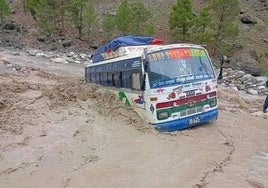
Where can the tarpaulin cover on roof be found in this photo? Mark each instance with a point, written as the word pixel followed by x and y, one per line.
pixel 124 41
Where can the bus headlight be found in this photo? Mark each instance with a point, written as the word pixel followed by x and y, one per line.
pixel 213 103
pixel 162 115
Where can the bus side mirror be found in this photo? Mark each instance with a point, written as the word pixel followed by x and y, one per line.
pixel 223 59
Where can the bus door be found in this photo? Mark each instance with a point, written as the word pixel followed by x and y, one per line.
pixel 136 87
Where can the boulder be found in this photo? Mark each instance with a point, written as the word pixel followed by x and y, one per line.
pixel 9 26
pixel 247 20
pixel 246 61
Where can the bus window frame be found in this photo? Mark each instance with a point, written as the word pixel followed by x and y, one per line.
pixel 138 79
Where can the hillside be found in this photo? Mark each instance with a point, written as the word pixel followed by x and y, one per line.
pixel 249 50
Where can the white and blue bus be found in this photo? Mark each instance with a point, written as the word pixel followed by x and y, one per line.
pixel 173 87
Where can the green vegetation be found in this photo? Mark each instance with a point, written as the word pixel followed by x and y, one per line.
pixel 108 26
pixel 4 10
pixel 82 15
pixel 47 16
pixel 181 19
pixel 32 7
pixel 140 21
pixel 214 25
pixel 224 13
pixel 52 16
pixel 202 29
pixel 149 29
pixel 123 17
pixel 134 19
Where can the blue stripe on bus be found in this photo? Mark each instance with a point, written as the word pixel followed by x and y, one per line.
pixel 184 123
pixel 121 65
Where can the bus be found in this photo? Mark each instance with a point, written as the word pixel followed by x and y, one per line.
pixel 173 87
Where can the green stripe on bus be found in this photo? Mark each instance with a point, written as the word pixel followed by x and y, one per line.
pixel 182 108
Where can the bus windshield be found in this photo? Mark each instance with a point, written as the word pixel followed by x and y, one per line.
pixel 178 66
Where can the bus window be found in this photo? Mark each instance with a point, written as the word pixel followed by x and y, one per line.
pixel 135 81
pixel 104 80
pixel 113 79
pixel 126 77
pixel 93 77
pixel 110 79
pixel 118 79
pixel 97 78
pixel 88 77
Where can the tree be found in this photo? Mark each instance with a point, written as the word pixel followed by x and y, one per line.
pixel 89 17
pixel 225 13
pixel 50 15
pixel 4 10
pixel 62 9
pixel 46 16
pixel 123 17
pixel 82 15
pixel 140 15
pixel 134 19
pixel 149 29
pixel 32 7
pixel 181 19
pixel 203 28
pixel 108 26
pixel 76 9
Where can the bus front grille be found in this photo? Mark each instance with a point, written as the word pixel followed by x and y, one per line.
pixel 191 111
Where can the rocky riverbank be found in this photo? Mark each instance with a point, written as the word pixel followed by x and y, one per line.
pixel 235 79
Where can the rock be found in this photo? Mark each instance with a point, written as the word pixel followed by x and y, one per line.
pixel 70 54
pixel 261 79
pixel 15 53
pixel 246 77
pixel 245 62
pixel 77 62
pixel 70 60
pixel 17 67
pixel 33 52
pixel 40 54
pixel 253 54
pixel 253 92
pixel 234 88
pixel 261 88
pixel 248 20
pixel 67 43
pixel 41 39
pixel 58 60
pixel 95 47
pixel 245 27
pixel 9 26
pixel 83 56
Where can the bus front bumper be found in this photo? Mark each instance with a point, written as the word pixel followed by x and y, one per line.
pixel 187 122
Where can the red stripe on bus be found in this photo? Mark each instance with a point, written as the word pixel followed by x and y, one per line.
pixel 185 100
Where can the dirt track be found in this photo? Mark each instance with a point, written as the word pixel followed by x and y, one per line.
pixel 58 131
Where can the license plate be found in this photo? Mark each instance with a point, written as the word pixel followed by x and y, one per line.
pixel 194 121
pixel 190 93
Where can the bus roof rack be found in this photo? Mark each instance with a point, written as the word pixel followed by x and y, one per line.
pixel 123 45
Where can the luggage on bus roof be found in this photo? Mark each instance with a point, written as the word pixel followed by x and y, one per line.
pixel 124 41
